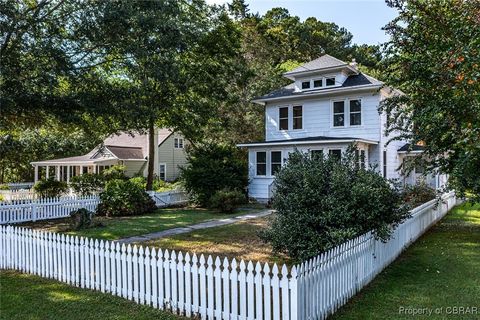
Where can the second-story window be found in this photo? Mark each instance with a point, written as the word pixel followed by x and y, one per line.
pixel 338 113
pixel 355 112
pixel 297 117
pixel 283 118
pixel 178 143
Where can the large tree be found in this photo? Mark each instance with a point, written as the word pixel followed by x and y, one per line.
pixel 433 57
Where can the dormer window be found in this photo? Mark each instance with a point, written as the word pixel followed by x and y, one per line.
pixel 318 83
pixel 330 81
pixel 305 85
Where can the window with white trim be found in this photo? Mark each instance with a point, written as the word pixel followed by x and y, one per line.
pixel 178 143
pixel 316 154
pixel 283 118
pixel 162 171
pixel 297 117
pixel 355 112
pixel 275 162
pixel 339 113
pixel 261 163
pixel 305 85
pixel 318 83
pixel 330 81
pixel 335 153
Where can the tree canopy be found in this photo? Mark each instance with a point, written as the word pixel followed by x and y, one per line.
pixel 433 57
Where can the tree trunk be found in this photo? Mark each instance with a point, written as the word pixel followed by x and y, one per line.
pixel 151 153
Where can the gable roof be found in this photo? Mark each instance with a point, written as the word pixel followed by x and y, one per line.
pixel 135 140
pixel 324 62
pixel 352 81
pixel 125 153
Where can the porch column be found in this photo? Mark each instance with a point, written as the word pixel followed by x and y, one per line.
pixel 57 173
pixel 35 178
pixel 47 173
pixel 68 174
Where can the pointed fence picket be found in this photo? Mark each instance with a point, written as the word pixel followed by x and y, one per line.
pixel 211 288
pixel 144 274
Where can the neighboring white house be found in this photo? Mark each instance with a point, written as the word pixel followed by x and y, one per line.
pixel 130 150
pixel 329 105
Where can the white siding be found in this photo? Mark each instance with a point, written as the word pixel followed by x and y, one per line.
pixel 317 119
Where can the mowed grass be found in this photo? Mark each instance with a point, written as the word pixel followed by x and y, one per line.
pixel 239 240
pixel 441 270
pixel 28 297
pixel 114 228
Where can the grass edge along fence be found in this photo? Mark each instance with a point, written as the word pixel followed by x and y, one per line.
pixel 214 288
pixel 55 208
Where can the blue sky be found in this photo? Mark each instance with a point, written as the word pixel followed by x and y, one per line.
pixel 363 18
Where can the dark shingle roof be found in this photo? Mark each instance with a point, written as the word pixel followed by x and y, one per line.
pixel 325 61
pixel 409 148
pixel 352 81
pixel 126 152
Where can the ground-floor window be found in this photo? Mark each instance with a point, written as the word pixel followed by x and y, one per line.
pixel 336 153
pixel 162 171
pixel 276 162
pixel 261 163
pixel 316 154
pixel 384 163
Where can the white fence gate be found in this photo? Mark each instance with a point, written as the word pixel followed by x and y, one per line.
pixel 214 288
pixel 169 198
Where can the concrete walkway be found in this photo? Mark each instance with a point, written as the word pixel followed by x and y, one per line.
pixel 198 226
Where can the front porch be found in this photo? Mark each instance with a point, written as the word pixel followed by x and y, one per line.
pixel 64 170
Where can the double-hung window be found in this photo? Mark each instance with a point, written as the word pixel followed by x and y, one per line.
pixel 283 118
pixel 178 143
pixel 335 153
pixel 316 154
pixel 297 117
pixel 339 113
pixel 355 112
pixel 261 163
pixel 275 162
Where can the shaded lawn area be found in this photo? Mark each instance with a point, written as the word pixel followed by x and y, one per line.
pixel 114 228
pixel 442 269
pixel 239 240
pixel 28 297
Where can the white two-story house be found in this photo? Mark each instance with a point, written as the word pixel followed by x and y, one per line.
pixel 328 106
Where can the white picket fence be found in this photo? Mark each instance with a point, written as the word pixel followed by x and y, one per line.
pixel 214 288
pixel 17 195
pixel 169 198
pixel 187 285
pixel 43 209
pixel 17 211
pixel 20 185
pixel 327 281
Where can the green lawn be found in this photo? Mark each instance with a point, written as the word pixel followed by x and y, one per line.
pixel 442 269
pixel 239 240
pixel 28 297
pixel 121 227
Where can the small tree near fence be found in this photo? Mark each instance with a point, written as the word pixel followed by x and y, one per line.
pixel 322 202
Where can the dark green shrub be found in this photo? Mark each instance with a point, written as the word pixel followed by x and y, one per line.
pixel 227 200
pixel 50 188
pixel 214 167
pixel 114 172
pixel 81 219
pixel 415 195
pixel 124 198
pixel 163 186
pixel 322 202
pixel 87 183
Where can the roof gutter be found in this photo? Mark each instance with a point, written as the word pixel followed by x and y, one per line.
pixel 319 93
pixel 288 143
